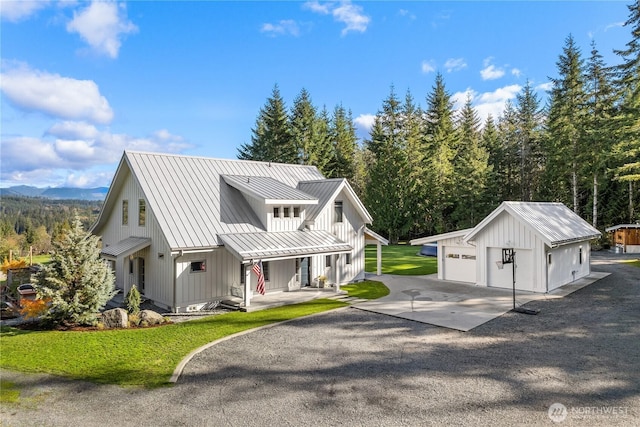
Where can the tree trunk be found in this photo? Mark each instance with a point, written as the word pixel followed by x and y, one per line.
pixel 595 200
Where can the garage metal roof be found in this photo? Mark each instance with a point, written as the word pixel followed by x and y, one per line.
pixel 555 223
pixel 283 244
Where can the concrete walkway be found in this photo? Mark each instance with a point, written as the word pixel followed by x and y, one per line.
pixel 455 305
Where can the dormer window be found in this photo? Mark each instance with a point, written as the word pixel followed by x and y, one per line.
pixel 286 211
pixel 337 207
pixel 296 212
pixel 276 212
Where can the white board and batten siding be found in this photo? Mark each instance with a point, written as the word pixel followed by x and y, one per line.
pixel 567 263
pixel 157 268
pixel 507 232
pixel 458 261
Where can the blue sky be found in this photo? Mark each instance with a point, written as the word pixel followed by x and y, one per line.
pixel 83 81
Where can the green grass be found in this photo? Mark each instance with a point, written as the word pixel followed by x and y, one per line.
pixel 400 259
pixel 136 357
pixel 634 262
pixel 8 392
pixel 368 289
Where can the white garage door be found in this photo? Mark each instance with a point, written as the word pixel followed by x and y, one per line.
pixel 460 264
pixel 503 278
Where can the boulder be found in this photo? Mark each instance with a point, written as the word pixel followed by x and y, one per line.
pixel 150 317
pixel 116 318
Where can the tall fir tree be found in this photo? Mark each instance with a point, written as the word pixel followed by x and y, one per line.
pixel 509 177
pixel 496 167
pixel 471 169
pixel 440 150
pixel 567 116
pixel 386 192
pixel 304 126
pixel 627 81
pixel 344 141
pixel 529 140
pixel 271 140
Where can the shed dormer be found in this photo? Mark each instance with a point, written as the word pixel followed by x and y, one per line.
pixel 279 206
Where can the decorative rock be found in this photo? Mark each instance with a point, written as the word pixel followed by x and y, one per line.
pixel 150 317
pixel 116 318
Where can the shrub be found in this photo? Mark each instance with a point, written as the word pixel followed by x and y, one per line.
pixel 77 282
pixel 132 300
pixel 31 309
pixel 13 264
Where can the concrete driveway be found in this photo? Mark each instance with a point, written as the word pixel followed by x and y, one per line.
pixel 455 305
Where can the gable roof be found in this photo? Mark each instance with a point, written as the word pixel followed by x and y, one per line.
pixel 189 196
pixel 327 190
pixel 555 223
pixel 443 236
pixel 269 190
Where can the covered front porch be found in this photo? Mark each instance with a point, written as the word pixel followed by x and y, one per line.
pixel 280 298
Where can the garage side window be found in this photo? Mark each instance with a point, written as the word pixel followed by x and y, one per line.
pixel 549 259
pixel 580 256
pixel 453 255
pixel 198 267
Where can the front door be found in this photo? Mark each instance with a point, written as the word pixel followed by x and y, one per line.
pixel 141 275
pixel 304 271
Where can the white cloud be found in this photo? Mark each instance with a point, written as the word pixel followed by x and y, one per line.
pixel 102 25
pixel 57 96
pixel 545 86
pixel 364 122
pixel 428 67
pixel 488 102
pixel 491 72
pixel 516 72
pixel 77 149
pixel 17 10
pixel 281 28
pixel 88 180
pixel 455 64
pixel 345 12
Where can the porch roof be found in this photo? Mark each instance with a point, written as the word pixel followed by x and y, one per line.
pixel 283 244
pixel 125 247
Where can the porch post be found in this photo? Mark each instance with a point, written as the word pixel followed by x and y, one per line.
pixel 379 258
pixel 247 285
pixel 336 272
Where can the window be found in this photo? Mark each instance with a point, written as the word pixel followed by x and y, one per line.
pixel 296 212
pixel 549 259
pixel 453 255
pixel 130 265
pixel 580 255
pixel 142 208
pixel 243 274
pixel 348 259
pixel 337 207
pixel 327 261
pixel 265 271
pixel 125 212
pixel 198 267
pixel 285 212
pixel 276 212
pixel 468 256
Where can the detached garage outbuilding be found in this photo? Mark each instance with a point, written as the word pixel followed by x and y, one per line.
pixel 551 243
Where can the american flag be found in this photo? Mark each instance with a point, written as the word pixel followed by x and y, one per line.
pixel 257 268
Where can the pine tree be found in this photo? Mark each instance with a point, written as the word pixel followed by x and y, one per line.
pixel 627 120
pixel 271 140
pixel 529 126
pixel 509 178
pixel 440 150
pixel 565 124
pixel 77 282
pixel 322 148
pixel 496 167
pixel 471 169
pixel 303 126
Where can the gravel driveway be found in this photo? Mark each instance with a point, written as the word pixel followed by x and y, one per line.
pixel 350 367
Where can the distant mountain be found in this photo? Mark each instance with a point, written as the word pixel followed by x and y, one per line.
pixel 62 193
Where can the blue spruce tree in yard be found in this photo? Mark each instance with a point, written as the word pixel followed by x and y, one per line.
pixel 77 283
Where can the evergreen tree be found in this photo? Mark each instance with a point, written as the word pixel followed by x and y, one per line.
pixel 386 190
pixel 509 176
pixel 271 140
pixel 496 165
pixel 440 151
pixel 77 283
pixel 598 132
pixel 627 120
pixel 567 117
pixel 304 127
pixel 322 149
pixel 471 169
pixel 529 126
pixel 344 142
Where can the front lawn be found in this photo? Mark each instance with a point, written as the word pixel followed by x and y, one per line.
pixel 367 289
pixel 141 357
pixel 400 259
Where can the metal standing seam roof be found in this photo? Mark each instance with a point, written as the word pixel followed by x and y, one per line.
pixel 554 222
pixel 621 226
pixel 435 238
pixel 283 244
pixel 269 190
pixel 326 190
pixel 190 199
pixel 125 247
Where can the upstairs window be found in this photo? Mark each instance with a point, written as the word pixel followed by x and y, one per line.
pixel 276 212
pixel 286 211
pixel 337 208
pixel 142 212
pixel 348 259
pixel 296 212
pixel 125 212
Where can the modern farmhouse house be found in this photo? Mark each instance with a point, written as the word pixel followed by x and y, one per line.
pixel 189 230
pixel 551 243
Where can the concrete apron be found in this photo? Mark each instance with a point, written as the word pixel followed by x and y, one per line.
pixel 455 305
